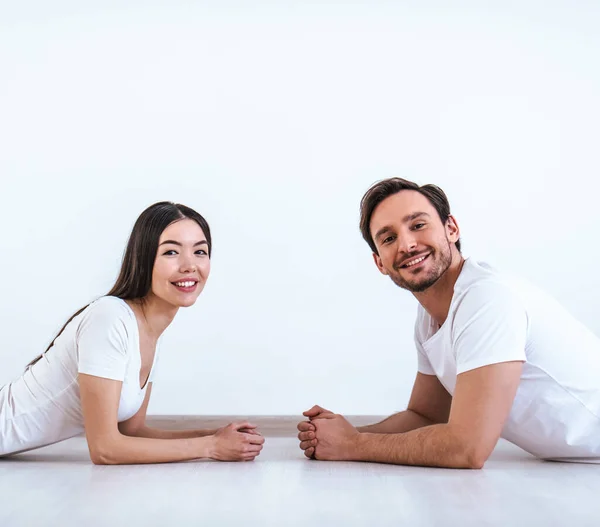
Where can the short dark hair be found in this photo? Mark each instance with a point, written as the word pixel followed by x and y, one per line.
pixel 387 187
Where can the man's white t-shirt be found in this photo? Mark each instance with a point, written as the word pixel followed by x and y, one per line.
pixel 494 318
pixel 43 406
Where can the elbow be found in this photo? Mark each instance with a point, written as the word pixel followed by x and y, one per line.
pixel 470 452
pixel 475 463
pixel 475 457
pixel 99 458
pixel 103 454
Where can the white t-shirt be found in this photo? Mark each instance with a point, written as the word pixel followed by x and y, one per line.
pixel 494 318
pixel 43 406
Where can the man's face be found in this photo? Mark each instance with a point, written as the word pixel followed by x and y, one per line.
pixel 415 247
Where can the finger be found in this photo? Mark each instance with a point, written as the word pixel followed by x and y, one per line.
pixel 309 452
pixel 304 445
pixel 254 439
pixel 308 444
pixel 249 431
pixel 252 449
pixel 243 424
pixel 305 436
pixel 325 415
pixel 315 410
pixel 305 426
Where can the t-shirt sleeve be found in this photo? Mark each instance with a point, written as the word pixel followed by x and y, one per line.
pixel 490 327
pixel 423 363
pixel 102 341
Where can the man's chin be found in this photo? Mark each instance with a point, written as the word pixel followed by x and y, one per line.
pixel 415 286
pixel 420 288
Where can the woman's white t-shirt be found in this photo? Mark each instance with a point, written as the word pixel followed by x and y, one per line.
pixel 43 406
pixel 494 318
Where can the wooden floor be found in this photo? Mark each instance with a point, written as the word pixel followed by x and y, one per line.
pixel 58 485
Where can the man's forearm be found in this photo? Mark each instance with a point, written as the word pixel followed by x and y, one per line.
pixel 398 423
pixel 439 445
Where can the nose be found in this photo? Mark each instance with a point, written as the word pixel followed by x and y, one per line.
pixel 187 264
pixel 407 243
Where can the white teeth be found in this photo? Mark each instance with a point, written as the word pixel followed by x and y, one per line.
pixel 185 284
pixel 415 262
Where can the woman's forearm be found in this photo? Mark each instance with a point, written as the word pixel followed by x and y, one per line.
pixel 126 450
pixel 157 433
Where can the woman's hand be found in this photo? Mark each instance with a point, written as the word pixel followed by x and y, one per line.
pixel 236 442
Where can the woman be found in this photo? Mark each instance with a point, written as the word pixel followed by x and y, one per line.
pixel 96 375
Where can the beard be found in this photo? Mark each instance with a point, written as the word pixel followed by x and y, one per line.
pixel 437 264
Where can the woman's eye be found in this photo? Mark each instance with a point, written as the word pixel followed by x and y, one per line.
pixel 170 253
pixel 201 252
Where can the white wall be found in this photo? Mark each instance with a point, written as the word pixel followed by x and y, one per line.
pixel 272 119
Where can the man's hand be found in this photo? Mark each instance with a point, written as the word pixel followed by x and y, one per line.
pixel 307 430
pixel 326 435
pixel 335 438
pixel 316 411
pixel 307 437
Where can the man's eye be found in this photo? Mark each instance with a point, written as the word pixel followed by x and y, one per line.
pixel 419 226
pixel 388 239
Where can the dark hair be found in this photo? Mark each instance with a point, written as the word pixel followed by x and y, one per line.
pixel 135 277
pixel 387 187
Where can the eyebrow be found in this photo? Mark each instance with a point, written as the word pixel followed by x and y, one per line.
pixel 203 242
pixel 414 216
pixel 408 218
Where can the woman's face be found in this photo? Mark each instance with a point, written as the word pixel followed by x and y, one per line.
pixel 182 264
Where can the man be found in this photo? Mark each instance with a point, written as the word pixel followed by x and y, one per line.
pixel 496 357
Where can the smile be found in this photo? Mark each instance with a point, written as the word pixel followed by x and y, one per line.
pixel 186 286
pixel 415 261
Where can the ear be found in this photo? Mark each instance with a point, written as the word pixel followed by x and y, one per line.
pixel 452 230
pixel 379 264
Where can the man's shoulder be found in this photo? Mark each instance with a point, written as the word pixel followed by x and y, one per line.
pixel 484 287
pixel 480 278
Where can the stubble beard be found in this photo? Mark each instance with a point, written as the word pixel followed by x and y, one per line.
pixel 441 262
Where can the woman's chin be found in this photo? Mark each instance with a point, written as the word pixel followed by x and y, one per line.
pixel 186 302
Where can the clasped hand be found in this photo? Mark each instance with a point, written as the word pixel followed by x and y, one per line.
pixel 327 436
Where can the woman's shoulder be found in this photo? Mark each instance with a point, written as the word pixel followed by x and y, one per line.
pixel 106 336
pixel 108 310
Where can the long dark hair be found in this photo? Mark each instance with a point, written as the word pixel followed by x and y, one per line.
pixel 135 277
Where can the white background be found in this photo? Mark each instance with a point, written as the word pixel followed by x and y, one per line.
pixel 272 119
